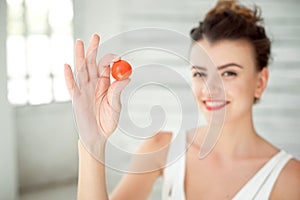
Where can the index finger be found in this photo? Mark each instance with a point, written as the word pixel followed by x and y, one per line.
pixel 105 63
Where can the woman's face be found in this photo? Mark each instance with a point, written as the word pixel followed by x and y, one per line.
pixel 228 81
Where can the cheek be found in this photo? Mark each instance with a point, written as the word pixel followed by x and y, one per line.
pixel 241 89
pixel 197 87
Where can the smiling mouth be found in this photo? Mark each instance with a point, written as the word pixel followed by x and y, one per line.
pixel 215 104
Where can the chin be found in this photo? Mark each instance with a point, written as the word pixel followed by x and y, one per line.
pixel 216 117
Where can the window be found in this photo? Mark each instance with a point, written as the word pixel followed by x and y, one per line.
pixel 39 42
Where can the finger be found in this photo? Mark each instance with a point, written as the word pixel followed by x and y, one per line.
pixel 104 73
pixel 82 75
pixel 79 54
pixel 94 42
pixel 69 78
pixel 102 85
pixel 91 55
pixel 105 63
pixel 114 93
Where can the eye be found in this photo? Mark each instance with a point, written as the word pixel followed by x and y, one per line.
pixel 229 73
pixel 199 74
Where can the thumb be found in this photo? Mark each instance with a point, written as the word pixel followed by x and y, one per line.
pixel 120 85
pixel 114 93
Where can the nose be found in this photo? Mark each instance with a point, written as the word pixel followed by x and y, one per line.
pixel 213 87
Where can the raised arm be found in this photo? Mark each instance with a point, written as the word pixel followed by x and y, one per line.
pixel 96 105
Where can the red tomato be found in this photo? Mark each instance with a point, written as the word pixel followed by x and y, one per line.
pixel 121 70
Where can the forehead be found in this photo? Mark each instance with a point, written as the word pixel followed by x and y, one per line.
pixel 205 53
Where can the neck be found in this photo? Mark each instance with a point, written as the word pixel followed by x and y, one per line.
pixel 236 138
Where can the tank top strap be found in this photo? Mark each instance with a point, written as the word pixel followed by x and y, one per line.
pixel 174 172
pixel 261 184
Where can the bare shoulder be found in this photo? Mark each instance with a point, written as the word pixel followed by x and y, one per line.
pixel 147 165
pixel 291 173
pixel 288 183
pixel 152 153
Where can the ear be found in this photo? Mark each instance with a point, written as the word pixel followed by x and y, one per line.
pixel 262 81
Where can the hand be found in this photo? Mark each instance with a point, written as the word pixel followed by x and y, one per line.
pixel 96 102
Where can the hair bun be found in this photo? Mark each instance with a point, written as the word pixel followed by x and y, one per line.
pixel 224 5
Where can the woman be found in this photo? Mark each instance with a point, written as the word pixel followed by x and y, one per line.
pixel 242 165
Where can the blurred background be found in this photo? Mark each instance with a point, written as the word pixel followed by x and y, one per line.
pixel 38 139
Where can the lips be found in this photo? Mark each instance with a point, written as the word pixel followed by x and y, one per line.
pixel 215 104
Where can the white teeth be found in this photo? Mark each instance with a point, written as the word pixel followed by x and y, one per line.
pixel 214 103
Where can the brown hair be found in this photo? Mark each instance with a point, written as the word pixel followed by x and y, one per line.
pixel 230 20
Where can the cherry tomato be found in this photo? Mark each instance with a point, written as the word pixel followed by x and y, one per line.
pixel 121 70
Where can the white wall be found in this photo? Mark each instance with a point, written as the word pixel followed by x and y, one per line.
pixel 47 142
pixel 8 152
pixel 97 16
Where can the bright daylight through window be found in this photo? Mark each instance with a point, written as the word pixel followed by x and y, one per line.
pixel 39 42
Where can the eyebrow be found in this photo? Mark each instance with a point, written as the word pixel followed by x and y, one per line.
pixel 219 67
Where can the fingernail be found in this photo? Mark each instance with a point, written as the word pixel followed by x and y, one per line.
pixel 95 35
pixel 116 58
pixel 79 41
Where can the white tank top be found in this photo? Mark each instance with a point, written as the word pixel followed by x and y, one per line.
pixel 259 187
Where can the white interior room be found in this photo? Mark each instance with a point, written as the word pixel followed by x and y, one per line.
pixel 38 138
